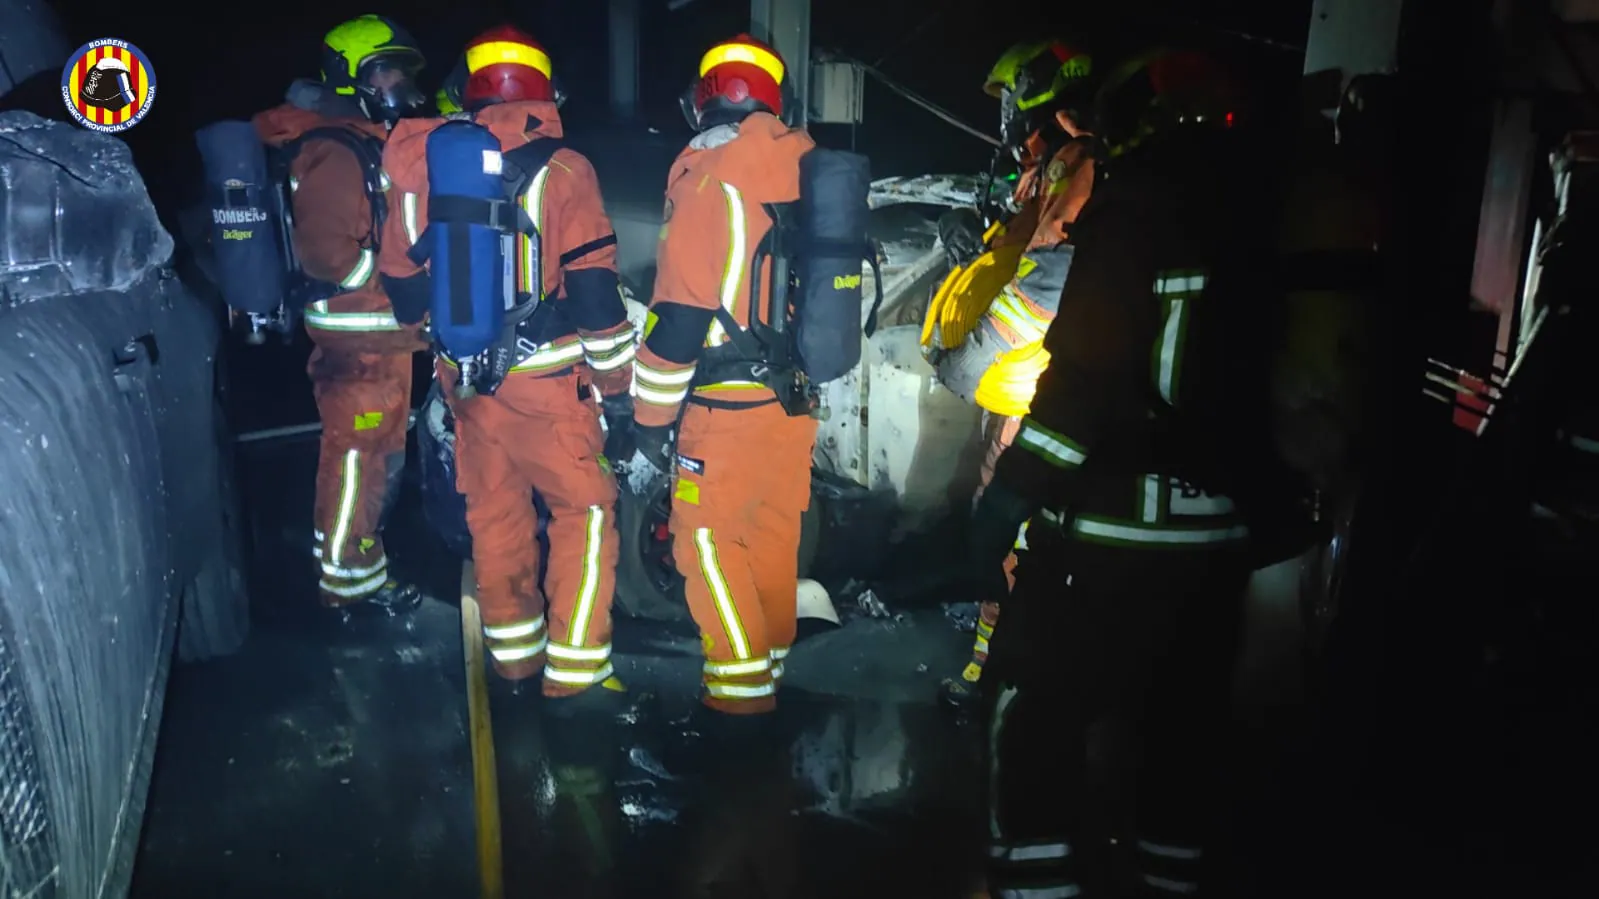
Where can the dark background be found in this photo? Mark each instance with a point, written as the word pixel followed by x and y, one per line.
pixel 231 60
pixel 1412 649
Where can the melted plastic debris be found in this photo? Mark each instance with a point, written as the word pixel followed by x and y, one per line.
pixel 639 473
pixel 74 214
pixel 871 606
pixel 963 614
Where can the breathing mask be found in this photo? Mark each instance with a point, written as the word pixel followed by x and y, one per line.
pixel 388 91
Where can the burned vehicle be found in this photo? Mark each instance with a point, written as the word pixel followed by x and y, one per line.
pixel 121 537
pixel 891 439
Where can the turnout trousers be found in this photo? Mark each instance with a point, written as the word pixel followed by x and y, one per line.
pixel 364 400
pixel 538 432
pixel 742 483
pixel 1144 635
pixel 1001 432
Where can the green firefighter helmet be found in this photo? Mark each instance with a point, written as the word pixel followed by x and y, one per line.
pixel 1036 78
pixel 373 59
pixel 447 105
pixel 448 98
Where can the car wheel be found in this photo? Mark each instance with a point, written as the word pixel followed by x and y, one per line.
pixel 215 616
pixel 443 506
pixel 648 584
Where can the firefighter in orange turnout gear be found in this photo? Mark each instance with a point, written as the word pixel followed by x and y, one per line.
pixel 1044 85
pixel 540 429
pixel 741 465
pixel 361 366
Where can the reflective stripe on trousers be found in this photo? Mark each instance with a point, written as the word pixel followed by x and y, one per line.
pixel 745 676
pixel 572 662
pixel 1169 868
pixel 339 578
pixel 1020 867
pixel 516 641
pixel 350 582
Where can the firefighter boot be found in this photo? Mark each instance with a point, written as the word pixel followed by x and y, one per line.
pixel 583 756
pixel 608 698
pixel 741 826
pixel 961 694
pixel 394 598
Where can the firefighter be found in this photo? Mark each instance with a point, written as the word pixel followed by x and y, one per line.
pixel 1043 89
pixel 1145 445
pixel 360 367
pixel 741 462
pixel 537 425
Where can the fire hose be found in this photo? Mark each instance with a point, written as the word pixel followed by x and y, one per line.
pixel 480 730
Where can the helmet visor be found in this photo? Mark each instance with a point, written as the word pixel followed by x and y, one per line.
pixel 389 82
pixel 686 103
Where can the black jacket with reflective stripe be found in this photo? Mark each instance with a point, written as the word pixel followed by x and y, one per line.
pixel 1159 353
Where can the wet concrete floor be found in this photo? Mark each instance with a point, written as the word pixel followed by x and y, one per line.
pixel 331 758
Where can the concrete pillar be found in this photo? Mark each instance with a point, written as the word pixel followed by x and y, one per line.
pixel 786 25
pixel 624 27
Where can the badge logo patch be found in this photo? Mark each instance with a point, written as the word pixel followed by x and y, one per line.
pixel 692 466
pixel 1055 172
pixel 666 213
pixel 108 85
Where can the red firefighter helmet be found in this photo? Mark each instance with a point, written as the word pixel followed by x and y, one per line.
pixel 738 77
pixel 1162 91
pixel 505 64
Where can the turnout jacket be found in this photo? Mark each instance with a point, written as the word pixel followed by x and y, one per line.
pixel 576 268
pixel 1152 414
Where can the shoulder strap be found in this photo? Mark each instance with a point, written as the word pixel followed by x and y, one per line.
pixel 524 163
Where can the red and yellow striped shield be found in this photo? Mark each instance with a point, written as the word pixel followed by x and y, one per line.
pixel 108 85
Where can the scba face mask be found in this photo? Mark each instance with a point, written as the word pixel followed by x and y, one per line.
pixel 1013 128
pixel 388 91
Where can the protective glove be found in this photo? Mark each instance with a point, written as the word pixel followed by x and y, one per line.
pixel 651 459
pixel 990 536
pixel 618 412
pixel 961 233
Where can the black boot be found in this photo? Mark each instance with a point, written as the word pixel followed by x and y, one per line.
pixel 962 694
pixel 393 599
pixel 608 699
